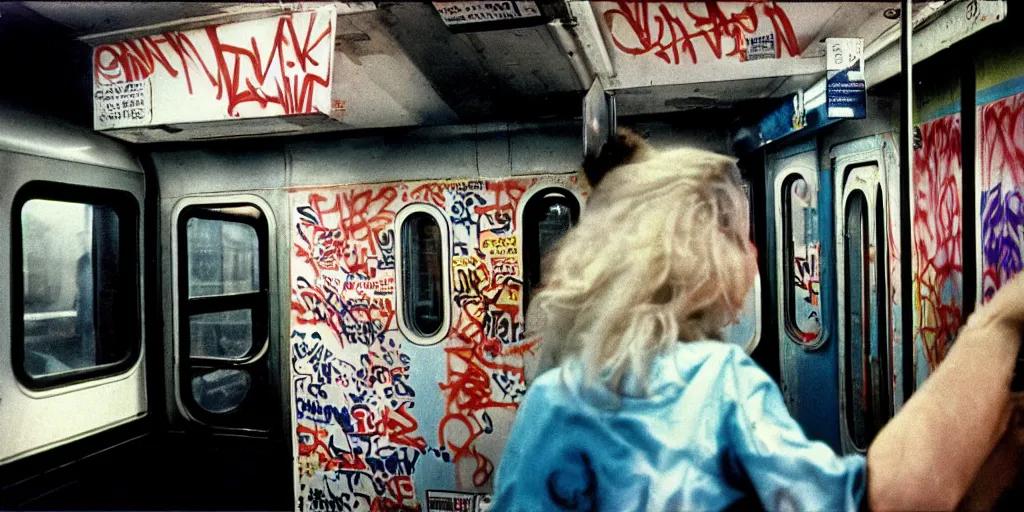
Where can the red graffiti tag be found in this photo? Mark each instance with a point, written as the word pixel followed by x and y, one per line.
pixel 240 74
pixel 363 221
pixel 399 425
pixel 937 237
pixel 1001 183
pixel 432 193
pixel 668 37
pixel 468 397
pixel 317 446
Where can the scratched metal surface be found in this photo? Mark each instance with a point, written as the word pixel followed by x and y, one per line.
pixel 26 133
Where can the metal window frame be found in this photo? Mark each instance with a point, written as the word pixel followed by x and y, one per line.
pixel 184 362
pixel 529 237
pixel 845 166
pixel 127 209
pixel 444 227
pixel 784 266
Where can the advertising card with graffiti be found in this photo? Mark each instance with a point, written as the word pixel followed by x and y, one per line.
pixel 259 68
pixel 657 43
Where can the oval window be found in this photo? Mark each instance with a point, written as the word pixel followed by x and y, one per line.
pixel 801 254
pixel 857 338
pixel 422 274
pixel 547 217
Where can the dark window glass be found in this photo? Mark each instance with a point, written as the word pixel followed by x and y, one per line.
pixel 547 217
pixel 77 316
pixel 225 303
pixel 856 298
pixel 225 334
pixel 423 301
pixel 221 391
pixel 223 258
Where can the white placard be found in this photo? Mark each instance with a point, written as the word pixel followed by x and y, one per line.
pixel 462 13
pixel 123 103
pixel 761 47
pixel 843 52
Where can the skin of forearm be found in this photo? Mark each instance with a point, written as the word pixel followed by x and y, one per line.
pixel 927 455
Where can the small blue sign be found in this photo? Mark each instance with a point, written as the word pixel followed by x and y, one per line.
pixel 788 118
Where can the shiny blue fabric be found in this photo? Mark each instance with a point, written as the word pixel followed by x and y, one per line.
pixel 713 429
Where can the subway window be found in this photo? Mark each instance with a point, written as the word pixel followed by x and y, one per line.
pixel 801 254
pixel 223 257
pixel 224 326
pixel 857 337
pixel 547 217
pixel 220 391
pixel 75 284
pixel 423 301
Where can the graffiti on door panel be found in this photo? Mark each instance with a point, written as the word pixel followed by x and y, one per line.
pixel 937 239
pixel 805 317
pixel 370 407
pixel 1001 182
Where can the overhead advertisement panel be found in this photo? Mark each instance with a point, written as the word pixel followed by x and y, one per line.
pixel 664 43
pixel 467 13
pixel 846 96
pixel 262 68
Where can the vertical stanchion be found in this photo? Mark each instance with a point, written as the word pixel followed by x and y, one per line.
pixel 906 201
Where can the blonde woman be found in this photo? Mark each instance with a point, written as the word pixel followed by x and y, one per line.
pixel 638 407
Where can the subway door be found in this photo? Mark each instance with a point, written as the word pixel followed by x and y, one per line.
pixel 226 438
pixel 73 399
pixel 871 357
pixel 798 199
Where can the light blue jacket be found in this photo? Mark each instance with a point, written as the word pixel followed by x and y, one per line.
pixel 712 430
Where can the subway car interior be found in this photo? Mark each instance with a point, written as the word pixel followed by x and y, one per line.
pixel 273 256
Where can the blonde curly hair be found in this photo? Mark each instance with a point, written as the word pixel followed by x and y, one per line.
pixel 661 254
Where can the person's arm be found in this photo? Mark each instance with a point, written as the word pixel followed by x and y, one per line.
pixel 926 457
pixel 1001 471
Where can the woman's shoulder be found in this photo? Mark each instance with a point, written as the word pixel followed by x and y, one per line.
pixel 702 363
pixel 689 357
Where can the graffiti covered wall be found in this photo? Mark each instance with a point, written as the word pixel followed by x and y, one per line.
pixel 266 67
pixel 1000 184
pixel 937 228
pixel 380 421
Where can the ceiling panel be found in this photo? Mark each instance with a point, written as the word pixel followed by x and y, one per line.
pixel 96 17
pixel 399 64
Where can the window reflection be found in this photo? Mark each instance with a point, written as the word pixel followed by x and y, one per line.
pixel 223 258
pixel 421 274
pixel 70 269
pixel 547 217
